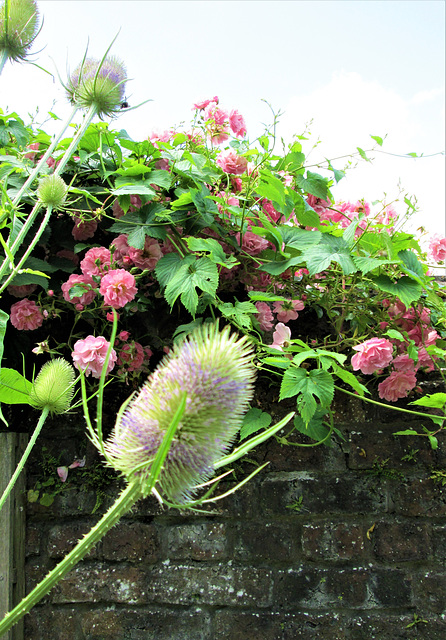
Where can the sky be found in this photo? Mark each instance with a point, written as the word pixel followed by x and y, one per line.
pixel 343 70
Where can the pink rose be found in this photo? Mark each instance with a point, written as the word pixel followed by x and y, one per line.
pixel 148 257
pixel 265 317
pixel 121 251
pixel 89 356
pixel 132 355
pixel 88 285
pixel 135 203
pixel 96 261
pixel 118 288
pixel 287 310
pixel 83 230
pixel 397 385
pixel 281 336
pixel 268 208
pixel 403 363
pixel 21 291
pixel 31 155
pixel 437 248
pixel 252 243
pixel 26 315
pixel 237 123
pixel 374 354
pixel 231 162
pixel 202 104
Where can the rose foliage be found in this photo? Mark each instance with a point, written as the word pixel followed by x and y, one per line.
pixel 188 226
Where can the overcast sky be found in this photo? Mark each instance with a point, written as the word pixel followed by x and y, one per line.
pixel 357 68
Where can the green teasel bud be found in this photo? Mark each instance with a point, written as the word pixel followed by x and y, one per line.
pixel 98 83
pixel 54 386
pixel 19 25
pixel 52 191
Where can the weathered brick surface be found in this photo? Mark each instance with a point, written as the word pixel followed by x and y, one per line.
pixel 346 543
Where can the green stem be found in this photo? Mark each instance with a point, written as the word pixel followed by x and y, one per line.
pixel 34 241
pixel 31 218
pixel 388 406
pixel 35 172
pixel 122 505
pixel 3 59
pixel 24 458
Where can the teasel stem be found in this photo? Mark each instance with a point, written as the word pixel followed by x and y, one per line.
pixel 129 496
pixel 32 216
pixel 44 158
pixel 24 458
pixel 3 60
pixel 34 241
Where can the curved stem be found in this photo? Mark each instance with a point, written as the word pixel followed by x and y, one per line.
pixel 24 458
pixel 388 406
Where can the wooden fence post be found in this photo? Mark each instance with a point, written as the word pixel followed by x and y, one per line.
pixel 12 530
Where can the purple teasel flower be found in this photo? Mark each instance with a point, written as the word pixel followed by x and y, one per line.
pixel 215 371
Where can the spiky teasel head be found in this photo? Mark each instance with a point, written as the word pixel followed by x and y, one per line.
pixel 19 25
pixel 100 83
pixel 54 386
pixel 52 191
pixel 214 369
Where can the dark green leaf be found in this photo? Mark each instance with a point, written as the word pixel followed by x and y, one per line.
pixel 253 421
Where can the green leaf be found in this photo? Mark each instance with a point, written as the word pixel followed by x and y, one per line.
pixel 315 428
pixel 253 421
pixel 314 184
pixel 299 238
pixel 366 264
pixel 412 264
pixel 433 442
pixel 405 288
pixel 378 139
pixel 159 177
pixel 213 248
pixel 272 189
pixel 350 379
pixel 362 153
pixel 240 312
pixel 166 268
pixel 434 400
pixel 192 274
pixel 308 385
pixel 330 249
pixel 407 432
pixel 278 361
pixel 396 335
pixel 133 190
pixel 265 296
pixel 14 388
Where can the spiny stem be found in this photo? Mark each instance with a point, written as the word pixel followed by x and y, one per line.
pixel 44 158
pixel 122 505
pixel 24 458
pixel 33 243
pixel 3 59
pixel 31 218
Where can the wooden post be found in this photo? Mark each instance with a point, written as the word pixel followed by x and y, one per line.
pixel 12 530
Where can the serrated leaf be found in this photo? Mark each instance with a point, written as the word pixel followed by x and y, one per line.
pixel 314 184
pixel 366 264
pixel 166 268
pixel 308 385
pixel 315 428
pixel 411 262
pixel 253 421
pixel 330 249
pixel 405 288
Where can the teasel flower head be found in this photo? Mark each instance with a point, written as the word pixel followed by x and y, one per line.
pixel 52 191
pixel 100 83
pixel 54 386
pixel 19 26
pixel 215 372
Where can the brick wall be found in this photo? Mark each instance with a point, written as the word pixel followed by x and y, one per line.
pixel 326 543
